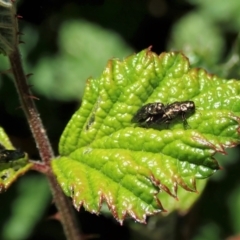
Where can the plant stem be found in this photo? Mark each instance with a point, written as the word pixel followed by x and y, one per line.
pixel 63 204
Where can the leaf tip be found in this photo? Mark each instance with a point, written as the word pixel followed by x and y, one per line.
pixel 189 185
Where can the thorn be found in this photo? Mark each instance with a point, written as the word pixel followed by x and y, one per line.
pixel 30 86
pixel 19 107
pixel 55 216
pixel 33 97
pixel 19 16
pixel 6 71
pixel 29 75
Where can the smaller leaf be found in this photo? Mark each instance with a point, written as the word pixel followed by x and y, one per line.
pixel 8 27
pixel 13 162
pixel 185 36
pixel 75 37
pixel 6 3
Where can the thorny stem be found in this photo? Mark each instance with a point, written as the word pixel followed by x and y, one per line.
pixel 63 204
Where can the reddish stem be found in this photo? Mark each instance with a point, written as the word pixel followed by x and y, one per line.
pixel 63 204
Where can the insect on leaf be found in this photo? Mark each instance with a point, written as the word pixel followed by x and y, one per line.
pixel 141 170
pixel 13 162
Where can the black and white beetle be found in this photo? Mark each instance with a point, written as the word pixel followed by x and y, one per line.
pixel 176 109
pixel 157 113
pixel 148 113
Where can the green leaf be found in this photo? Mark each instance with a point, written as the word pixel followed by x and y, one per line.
pixel 13 163
pixel 76 39
pixel 106 157
pixel 185 36
pixel 226 12
pixel 6 3
pixel 26 210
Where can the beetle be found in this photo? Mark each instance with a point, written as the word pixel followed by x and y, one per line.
pixel 149 113
pixel 157 113
pixel 10 155
pixel 176 109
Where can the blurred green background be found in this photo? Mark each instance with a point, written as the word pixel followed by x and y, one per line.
pixel 68 41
